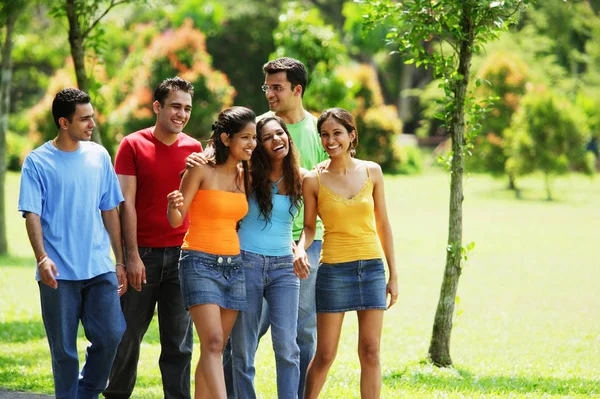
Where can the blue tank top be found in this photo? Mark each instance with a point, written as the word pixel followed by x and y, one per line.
pixel 273 238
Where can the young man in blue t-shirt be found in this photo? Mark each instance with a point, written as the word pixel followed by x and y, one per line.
pixel 69 197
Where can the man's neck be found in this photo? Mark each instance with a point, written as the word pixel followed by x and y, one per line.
pixel 293 116
pixel 164 137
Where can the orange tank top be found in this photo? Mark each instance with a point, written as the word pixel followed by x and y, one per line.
pixel 213 218
pixel 349 224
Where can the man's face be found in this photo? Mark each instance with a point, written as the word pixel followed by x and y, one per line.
pixel 82 125
pixel 175 114
pixel 282 97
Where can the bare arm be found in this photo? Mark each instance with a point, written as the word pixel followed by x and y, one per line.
pixel 47 268
pixel 136 271
pixel 310 189
pixel 384 230
pixel 180 200
pixel 112 225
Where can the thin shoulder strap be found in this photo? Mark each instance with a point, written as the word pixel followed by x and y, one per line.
pixel 368 172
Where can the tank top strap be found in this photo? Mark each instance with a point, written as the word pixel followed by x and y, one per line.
pixel 275 184
pixel 368 172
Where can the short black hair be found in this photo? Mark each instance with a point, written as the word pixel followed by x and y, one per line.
pixel 294 70
pixel 166 86
pixel 65 102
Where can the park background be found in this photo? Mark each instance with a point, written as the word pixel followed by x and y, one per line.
pixel 527 317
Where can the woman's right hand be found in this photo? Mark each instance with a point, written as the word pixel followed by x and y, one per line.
pixel 175 199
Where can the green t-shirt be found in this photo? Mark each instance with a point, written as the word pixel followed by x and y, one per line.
pixel 307 141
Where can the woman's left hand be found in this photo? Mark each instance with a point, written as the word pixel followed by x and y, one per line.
pixel 392 290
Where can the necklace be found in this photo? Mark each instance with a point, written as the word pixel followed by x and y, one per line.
pixel 54 142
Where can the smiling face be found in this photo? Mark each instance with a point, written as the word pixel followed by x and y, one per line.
pixel 335 138
pixel 242 143
pixel 274 140
pixel 82 123
pixel 175 113
pixel 281 95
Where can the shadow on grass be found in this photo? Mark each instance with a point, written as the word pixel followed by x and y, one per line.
pixel 22 331
pixel 464 382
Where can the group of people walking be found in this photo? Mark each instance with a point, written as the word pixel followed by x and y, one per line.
pixel 274 225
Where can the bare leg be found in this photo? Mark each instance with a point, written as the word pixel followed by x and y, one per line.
pixel 329 328
pixel 370 324
pixel 213 325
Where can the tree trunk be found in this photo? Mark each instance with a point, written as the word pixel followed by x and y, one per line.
pixel 548 188
pixel 5 83
pixel 404 102
pixel 78 53
pixel 439 348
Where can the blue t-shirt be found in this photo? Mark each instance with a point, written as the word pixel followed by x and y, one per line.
pixel 273 238
pixel 68 190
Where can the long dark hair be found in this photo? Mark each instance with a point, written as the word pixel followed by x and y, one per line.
pixel 262 187
pixel 231 121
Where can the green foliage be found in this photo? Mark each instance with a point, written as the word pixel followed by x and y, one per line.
pixel 17 148
pixel 549 134
pixel 410 160
pixel 180 52
pixel 377 129
pixel 505 77
pixel 241 43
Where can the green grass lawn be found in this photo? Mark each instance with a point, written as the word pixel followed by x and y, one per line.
pixel 529 299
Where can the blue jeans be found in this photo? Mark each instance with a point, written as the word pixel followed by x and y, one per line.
pixel 175 327
pixel 96 303
pixel 306 337
pixel 270 278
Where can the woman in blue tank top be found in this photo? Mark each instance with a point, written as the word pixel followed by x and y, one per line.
pixel 266 242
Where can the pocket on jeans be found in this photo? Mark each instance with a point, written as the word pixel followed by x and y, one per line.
pixel 144 252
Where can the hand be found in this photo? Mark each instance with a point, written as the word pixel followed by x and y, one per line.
pixel 136 271
pixel 301 264
pixel 122 279
pixel 48 272
pixel 175 199
pixel 195 159
pixel 392 290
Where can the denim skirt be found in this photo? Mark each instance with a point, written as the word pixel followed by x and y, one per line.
pixel 357 285
pixel 216 279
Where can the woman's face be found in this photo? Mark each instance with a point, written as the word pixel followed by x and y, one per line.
pixel 335 138
pixel 274 140
pixel 242 143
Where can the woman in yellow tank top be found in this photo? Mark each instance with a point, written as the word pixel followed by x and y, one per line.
pixel 212 278
pixel 348 196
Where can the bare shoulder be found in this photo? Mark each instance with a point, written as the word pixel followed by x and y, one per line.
pixel 374 171
pixel 310 179
pixel 303 172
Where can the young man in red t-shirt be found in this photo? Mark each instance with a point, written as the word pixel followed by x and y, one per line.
pixel 148 164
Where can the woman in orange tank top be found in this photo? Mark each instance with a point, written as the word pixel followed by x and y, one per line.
pixel 348 195
pixel 210 267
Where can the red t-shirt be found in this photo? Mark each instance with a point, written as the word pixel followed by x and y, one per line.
pixel 157 168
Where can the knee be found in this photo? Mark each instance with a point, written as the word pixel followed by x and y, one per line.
pixel 368 352
pixel 324 359
pixel 213 344
pixel 287 350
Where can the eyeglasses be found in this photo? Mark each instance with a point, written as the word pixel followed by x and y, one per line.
pixel 275 88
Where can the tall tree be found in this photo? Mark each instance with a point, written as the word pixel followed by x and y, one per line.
pixel 459 28
pixel 8 17
pixel 83 17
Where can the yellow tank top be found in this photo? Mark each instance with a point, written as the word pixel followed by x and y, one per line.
pixel 213 218
pixel 350 232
